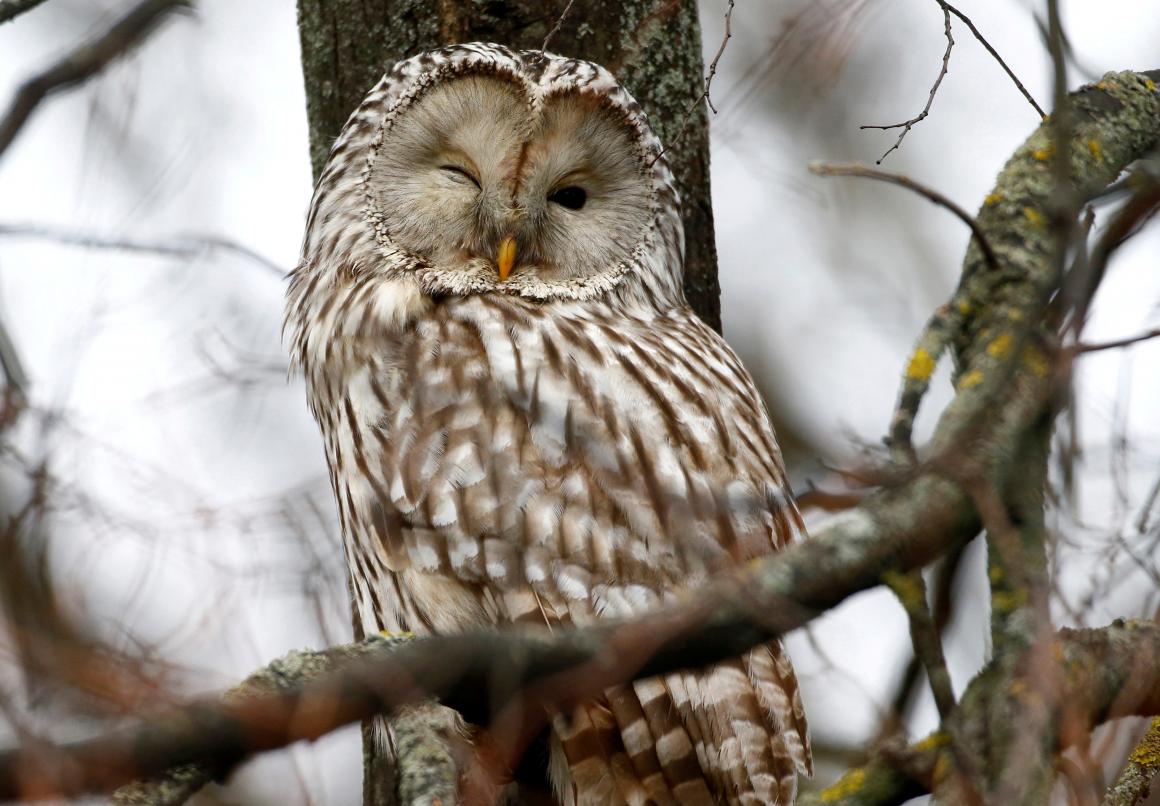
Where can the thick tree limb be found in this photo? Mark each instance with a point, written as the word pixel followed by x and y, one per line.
pixel 84 62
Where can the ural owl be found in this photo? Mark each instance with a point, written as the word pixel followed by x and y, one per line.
pixel 524 421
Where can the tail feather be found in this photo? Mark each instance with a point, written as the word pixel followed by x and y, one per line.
pixel 733 734
pixel 776 687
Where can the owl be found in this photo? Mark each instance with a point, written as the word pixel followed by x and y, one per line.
pixel 525 423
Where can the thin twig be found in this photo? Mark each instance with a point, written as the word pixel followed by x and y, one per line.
pixel 857 169
pixel 184 247
pixel 11 9
pixel 705 93
pixel 717 58
pixel 556 28
pixel 84 62
pixel 995 54
pixel 1118 343
pixel 907 125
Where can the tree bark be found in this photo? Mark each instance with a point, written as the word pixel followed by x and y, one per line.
pixel 653 47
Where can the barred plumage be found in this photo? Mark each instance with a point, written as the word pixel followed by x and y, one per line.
pixel 561 444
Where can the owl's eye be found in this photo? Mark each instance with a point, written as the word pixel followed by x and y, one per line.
pixel 571 197
pixel 457 174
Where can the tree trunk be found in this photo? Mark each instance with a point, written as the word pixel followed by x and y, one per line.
pixel 652 46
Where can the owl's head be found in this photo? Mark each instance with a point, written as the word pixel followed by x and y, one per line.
pixel 480 169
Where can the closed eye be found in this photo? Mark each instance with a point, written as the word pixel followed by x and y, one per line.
pixel 457 174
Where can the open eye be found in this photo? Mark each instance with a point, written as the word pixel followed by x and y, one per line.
pixel 571 197
pixel 457 174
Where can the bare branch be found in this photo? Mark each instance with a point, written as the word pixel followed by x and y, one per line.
pixel 1118 343
pixel 182 247
pixel 84 62
pixel 11 9
pixel 907 125
pixel 857 169
pixel 704 96
pixel 995 54
pixel 559 24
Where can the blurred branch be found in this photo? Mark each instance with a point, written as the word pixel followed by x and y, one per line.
pixel 287 674
pixel 1140 773
pixel 925 636
pixel 1117 343
pixel 1110 673
pixel 84 62
pixel 865 171
pixel 15 378
pixel 184 247
pixel 944 584
pixel 11 9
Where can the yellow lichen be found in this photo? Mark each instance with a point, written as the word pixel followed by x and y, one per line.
pixel 942 766
pixel 1043 154
pixel 971 379
pixel 1033 215
pixel 995 574
pixel 921 365
pixel 1036 361
pixel 993 198
pixel 906 588
pixel 1000 346
pixel 934 740
pixel 1147 752
pixel 1007 601
pixel 1149 85
pixel 844 787
pixel 1096 149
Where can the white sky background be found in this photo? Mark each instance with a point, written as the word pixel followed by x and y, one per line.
pixel 181 487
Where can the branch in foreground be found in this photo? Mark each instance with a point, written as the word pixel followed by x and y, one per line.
pixel 1138 776
pixel 11 9
pixel 288 673
pixel 1110 673
pixel 180 246
pixel 84 62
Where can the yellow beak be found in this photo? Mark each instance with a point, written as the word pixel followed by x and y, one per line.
pixel 505 258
